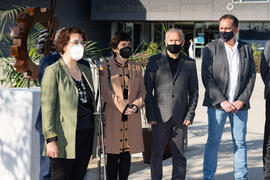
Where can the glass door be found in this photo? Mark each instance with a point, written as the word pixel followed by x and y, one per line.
pixel 187 28
pixel 199 40
pixel 203 34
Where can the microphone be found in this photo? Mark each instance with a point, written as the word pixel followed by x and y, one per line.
pixel 97 62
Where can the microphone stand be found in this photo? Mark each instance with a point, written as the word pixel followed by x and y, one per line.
pixel 101 146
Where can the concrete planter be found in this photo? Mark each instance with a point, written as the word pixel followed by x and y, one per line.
pixel 19 141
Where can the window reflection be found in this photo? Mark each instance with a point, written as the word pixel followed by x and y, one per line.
pixel 250 0
pixel 200 32
pixel 253 31
pixel 257 32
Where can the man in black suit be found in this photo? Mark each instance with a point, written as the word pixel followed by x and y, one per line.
pixel 265 74
pixel 228 74
pixel 172 94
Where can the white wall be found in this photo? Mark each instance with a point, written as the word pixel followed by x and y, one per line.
pixel 19 141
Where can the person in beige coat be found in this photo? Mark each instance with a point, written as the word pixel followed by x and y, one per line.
pixel 123 95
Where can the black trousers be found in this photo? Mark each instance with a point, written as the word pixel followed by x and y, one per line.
pixel 266 142
pixel 118 163
pixel 71 169
pixel 160 135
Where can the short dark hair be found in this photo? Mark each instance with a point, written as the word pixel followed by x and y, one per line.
pixel 232 17
pixel 117 37
pixel 64 35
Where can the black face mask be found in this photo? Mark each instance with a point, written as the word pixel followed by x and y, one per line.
pixel 226 36
pixel 125 52
pixel 174 48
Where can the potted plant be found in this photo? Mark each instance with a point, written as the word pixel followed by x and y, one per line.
pixel 257 56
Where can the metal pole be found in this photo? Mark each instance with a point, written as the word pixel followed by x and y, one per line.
pixel 28 76
pixel 101 145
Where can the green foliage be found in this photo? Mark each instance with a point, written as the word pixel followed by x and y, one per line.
pixel 9 77
pixel 257 56
pixel 9 17
pixel 151 49
pixel 92 50
pixel 256 51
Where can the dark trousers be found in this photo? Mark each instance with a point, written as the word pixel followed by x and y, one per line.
pixel 118 163
pixel 71 169
pixel 161 132
pixel 266 142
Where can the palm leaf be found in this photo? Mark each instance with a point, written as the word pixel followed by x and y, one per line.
pixel 165 27
pixel 9 75
pixel 91 50
pixel 5 44
pixel 9 16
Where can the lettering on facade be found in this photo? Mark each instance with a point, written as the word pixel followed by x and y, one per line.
pixel 196 7
pixel 123 8
pixel 139 8
pixel 162 9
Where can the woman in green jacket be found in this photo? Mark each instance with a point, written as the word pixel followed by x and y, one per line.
pixel 67 100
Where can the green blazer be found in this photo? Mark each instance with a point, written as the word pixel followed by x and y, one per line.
pixel 59 105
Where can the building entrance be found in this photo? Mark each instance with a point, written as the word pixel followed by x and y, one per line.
pixel 200 32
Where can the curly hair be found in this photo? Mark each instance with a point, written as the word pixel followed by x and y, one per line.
pixel 117 37
pixel 64 36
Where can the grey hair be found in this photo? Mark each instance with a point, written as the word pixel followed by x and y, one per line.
pixel 57 33
pixel 181 33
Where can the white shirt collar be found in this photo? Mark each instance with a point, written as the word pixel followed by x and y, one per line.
pixel 234 47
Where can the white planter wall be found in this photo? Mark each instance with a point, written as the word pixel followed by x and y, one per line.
pixel 19 141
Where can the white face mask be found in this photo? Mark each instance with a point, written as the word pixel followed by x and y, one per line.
pixel 76 52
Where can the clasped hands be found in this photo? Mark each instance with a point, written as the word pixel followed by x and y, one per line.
pixel 232 107
pixel 130 111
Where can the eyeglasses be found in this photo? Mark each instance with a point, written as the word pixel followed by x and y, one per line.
pixel 76 42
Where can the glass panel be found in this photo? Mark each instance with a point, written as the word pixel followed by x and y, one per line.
pixel 257 32
pixel 137 34
pixel 254 31
pixel 120 26
pixel 146 33
pixel 188 31
pixel 198 40
pixel 250 0
pixel 158 33
pixel 211 30
pixel 254 0
pixel 129 29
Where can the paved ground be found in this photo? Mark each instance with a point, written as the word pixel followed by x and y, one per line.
pixel 197 135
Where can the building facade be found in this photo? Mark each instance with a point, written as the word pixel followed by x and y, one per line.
pixel 146 20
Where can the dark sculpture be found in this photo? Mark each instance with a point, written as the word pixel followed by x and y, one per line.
pixel 19 33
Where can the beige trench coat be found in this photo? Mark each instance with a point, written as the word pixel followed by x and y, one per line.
pixel 115 104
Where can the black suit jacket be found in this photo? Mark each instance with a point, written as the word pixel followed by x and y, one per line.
pixel 265 69
pixel 215 74
pixel 169 96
